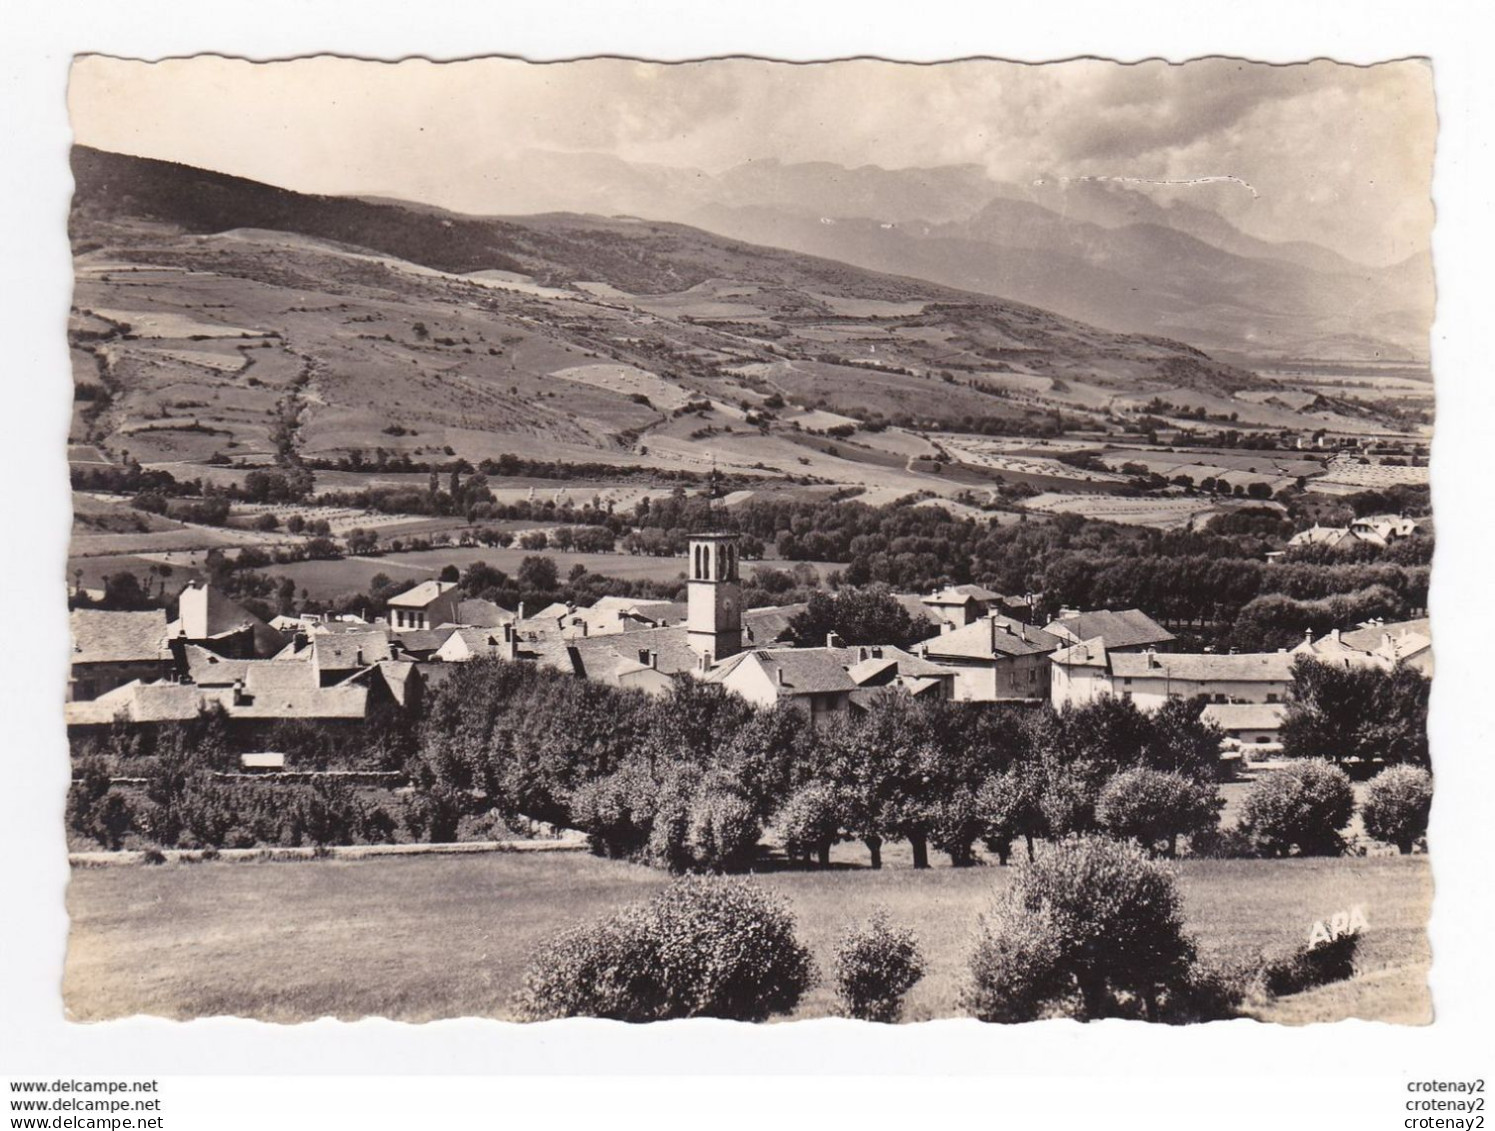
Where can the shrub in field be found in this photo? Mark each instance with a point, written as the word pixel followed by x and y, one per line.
pixel 1308 965
pixel 1215 843
pixel 1017 969
pixel 668 846
pixel 1397 804
pixel 617 811
pixel 1156 808
pixel 811 821
pixel 876 964
pixel 706 946
pixel 1305 807
pixel 1091 929
pixel 724 831
pixel 96 810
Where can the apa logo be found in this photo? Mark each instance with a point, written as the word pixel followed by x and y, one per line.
pixel 1341 923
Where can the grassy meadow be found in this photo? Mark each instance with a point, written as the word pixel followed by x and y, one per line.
pixel 427 937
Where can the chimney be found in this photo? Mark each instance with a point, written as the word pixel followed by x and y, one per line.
pixel 861 654
pixel 358 658
pixel 1308 637
pixel 653 658
pixel 833 640
pixel 923 649
pixel 1334 635
pixel 779 676
pixel 1152 658
pixel 946 626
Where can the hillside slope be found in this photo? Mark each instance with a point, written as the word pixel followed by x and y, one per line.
pixel 205 304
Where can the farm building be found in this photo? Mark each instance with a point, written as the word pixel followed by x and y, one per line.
pixel 995 658
pixel 427 605
pixel 1130 630
pixel 1247 724
pixel 1088 671
pixel 111 649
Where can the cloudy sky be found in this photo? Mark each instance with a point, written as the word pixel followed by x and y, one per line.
pixel 1338 155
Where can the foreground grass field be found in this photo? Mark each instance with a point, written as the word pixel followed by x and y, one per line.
pixel 421 938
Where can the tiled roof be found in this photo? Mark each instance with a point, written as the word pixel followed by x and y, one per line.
pixel 479 641
pixel 1245 716
pixel 422 595
pixel 959 594
pixel 345 701
pixel 992 637
pixel 907 663
pixel 478 613
pixel 207 669
pixel 1198 667
pixel 351 649
pixel 914 605
pixel 797 671
pixel 769 624
pixel 1129 628
pixel 422 639
pixel 1368 637
pixel 1085 654
pixel 270 676
pixel 102 636
pixel 604 658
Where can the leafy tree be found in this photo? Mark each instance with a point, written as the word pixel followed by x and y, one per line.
pixel 1305 806
pixel 1091 929
pixel 812 821
pixel 1358 713
pixel 1398 803
pixel 1009 806
pixel 858 616
pixel 538 574
pixel 1155 808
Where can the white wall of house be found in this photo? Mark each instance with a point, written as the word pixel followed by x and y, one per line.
pixel 1076 685
pixel 1150 693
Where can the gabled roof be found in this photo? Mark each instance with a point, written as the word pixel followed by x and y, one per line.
pixel 1086 654
pixel 207 614
pixel 422 595
pixel 914 605
pixel 421 639
pixel 1199 667
pixel 793 671
pixel 960 594
pixel 906 662
pixel 1368 637
pixel 992 637
pixel 208 669
pixel 770 624
pixel 351 649
pixel 475 612
pixel 104 636
pixel 479 641
pixel 1245 716
pixel 262 676
pixel 605 658
pixel 1129 628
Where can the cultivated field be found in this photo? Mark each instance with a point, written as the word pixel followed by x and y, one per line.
pixel 327 579
pixel 426 937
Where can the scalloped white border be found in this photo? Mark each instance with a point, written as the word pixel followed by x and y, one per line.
pixel 37 276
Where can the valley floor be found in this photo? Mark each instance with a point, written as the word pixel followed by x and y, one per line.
pixel 423 938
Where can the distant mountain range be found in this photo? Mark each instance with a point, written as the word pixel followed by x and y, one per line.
pixel 1093 250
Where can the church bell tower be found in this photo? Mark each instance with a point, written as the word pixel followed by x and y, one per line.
pixel 713 622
